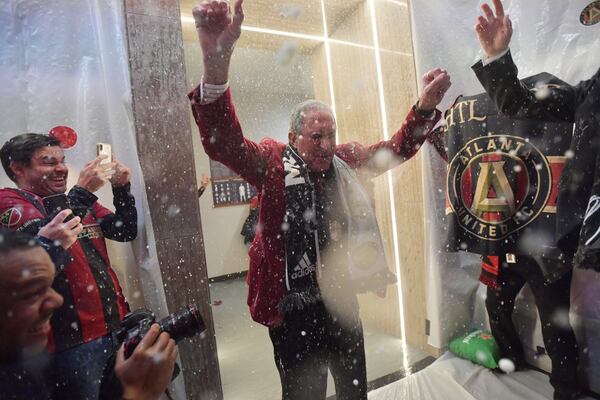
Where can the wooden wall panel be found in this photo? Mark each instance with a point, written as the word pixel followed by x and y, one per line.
pixel 319 71
pixel 302 17
pixel 400 89
pixel 356 95
pixel 355 27
pixel 393 23
pixel 359 118
pixel 363 126
pixel 163 131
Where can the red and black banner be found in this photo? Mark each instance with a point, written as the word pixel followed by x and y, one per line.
pixel 503 177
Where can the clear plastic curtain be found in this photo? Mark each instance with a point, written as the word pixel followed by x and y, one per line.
pixel 548 37
pixel 65 63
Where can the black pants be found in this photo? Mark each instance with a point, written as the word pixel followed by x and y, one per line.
pixel 311 341
pixel 552 301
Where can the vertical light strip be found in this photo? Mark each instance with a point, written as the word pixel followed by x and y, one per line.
pixel 329 69
pixel 390 183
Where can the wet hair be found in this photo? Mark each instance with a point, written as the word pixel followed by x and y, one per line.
pixel 12 240
pixel 20 149
pixel 300 111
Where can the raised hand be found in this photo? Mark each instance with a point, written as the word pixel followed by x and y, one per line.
pixel 203 185
pixel 218 30
pixel 61 231
pixel 122 174
pixel 435 84
pixel 95 174
pixel 205 181
pixel 493 31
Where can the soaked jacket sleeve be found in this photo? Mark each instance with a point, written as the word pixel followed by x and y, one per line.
pixel 512 98
pixel 387 154
pixel 223 139
pixel 121 225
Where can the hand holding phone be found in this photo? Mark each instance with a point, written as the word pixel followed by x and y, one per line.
pixel 95 175
pixel 121 175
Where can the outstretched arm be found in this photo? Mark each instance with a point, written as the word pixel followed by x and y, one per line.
pixel 218 30
pixel 494 30
pixel 122 224
pixel 407 141
pixel 499 77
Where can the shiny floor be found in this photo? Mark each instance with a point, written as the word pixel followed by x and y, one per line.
pixel 246 356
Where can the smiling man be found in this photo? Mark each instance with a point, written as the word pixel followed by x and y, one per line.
pixel 94 303
pixel 27 302
pixel 27 299
pixel 317 243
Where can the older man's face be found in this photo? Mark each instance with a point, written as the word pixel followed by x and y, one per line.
pixel 316 142
pixel 27 300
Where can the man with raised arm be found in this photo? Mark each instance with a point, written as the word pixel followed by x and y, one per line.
pixel 575 228
pixel 318 243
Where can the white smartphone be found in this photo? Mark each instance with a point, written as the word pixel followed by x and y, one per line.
pixel 104 149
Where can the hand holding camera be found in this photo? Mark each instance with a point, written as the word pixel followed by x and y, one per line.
pixel 148 371
pixel 129 372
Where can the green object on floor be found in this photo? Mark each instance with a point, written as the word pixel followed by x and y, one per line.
pixel 479 347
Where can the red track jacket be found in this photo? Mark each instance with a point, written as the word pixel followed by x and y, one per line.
pixel 262 166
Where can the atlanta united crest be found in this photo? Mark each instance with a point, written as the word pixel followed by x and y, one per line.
pixel 590 14
pixel 497 185
pixel 11 217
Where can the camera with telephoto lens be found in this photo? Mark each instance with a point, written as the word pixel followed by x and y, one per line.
pixel 185 323
pixel 182 324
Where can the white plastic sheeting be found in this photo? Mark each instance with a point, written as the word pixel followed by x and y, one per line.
pixel 452 378
pixel 547 37
pixel 65 63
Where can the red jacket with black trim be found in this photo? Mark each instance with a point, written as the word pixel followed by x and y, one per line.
pixel 261 165
pixel 94 303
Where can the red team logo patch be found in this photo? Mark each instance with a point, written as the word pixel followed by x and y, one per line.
pixel 591 14
pixel 11 218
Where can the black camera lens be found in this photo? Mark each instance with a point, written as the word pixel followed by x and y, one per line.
pixel 184 323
